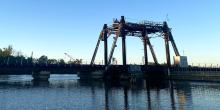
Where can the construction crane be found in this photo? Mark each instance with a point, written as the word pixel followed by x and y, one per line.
pixel 71 58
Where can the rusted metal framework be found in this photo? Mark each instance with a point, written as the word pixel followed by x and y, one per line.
pixel 122 28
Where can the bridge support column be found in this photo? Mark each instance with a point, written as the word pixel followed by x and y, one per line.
pixel 166 38
pixel 167 50
pixel 105 45
pixel 145 47
pixel 124 50
pixel 122 33
pixel 145 52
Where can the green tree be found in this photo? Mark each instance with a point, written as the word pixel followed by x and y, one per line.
pixel 61 62
pixel 78 61
pixel 5 52
pixel 52 61
pixel 43 60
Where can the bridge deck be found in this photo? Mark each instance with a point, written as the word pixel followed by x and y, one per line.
pixel 114 71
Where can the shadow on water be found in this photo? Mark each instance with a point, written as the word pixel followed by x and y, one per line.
pixel 128 89
pixel 178 93
pixel 15 84
pixel 37 83
pixel 20 81
pixel 183 94
pixel 24 84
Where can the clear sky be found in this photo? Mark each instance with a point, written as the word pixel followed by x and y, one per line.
pixel 53 27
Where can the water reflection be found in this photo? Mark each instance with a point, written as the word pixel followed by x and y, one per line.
pixel 183 91
pixel 127 95
pixel 69 92
pixel 36 83
pixel 172 97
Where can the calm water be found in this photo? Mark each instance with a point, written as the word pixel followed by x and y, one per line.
pixel 67 92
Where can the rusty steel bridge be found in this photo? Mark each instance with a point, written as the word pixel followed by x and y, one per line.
pixel 121 29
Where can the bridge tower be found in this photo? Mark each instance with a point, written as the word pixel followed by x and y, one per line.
pixel 122 28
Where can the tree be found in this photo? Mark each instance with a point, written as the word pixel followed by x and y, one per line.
pixel 43 60
pixel 78 61
pixel 52 61
pixel 61 62
pixel 5 52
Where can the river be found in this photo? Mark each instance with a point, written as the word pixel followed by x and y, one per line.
pixel 68 92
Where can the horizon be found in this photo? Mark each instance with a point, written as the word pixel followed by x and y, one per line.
pixel 53 28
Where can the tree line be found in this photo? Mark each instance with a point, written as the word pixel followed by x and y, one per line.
pixel 8 57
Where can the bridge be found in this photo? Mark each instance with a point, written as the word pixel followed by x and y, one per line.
pixel 123 29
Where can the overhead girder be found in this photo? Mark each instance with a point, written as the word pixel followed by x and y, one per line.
pixel 132 27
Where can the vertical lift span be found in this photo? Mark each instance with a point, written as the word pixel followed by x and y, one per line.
pixel 142 30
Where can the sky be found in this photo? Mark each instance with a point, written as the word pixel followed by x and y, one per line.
pixel 55 27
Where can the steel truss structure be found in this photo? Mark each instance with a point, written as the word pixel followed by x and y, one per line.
pixel 122 28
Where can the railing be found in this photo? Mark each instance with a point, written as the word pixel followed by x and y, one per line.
pixel 194 69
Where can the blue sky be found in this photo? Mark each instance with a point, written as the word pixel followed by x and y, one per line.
pixel 53 27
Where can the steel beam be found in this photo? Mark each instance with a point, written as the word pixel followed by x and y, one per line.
pixel 105 44
pixel 173 44
pixel 145 52
pixel 152 51
pixel 167 50
pixel 96 49
pixel 124 50
pixel 166 39
pixel 112 49
pixel 145 47
pixel 123 35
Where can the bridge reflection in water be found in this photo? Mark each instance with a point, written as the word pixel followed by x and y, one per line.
pixel 69 92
